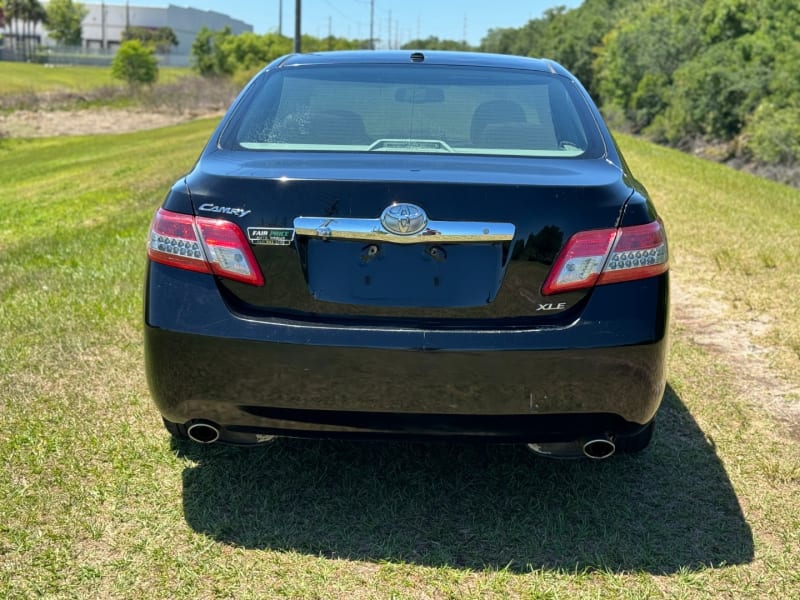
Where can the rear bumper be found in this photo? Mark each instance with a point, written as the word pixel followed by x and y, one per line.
pixel 595 375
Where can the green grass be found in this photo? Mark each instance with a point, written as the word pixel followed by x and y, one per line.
pixel 21 78
pixel 733 234
pixel 97 502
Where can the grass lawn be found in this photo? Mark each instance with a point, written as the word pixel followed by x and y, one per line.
pixel 20 78
pixel 97 502
pixel 734 236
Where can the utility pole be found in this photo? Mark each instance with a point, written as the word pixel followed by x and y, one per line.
pixel 372 24
pixel 297 28
pixel 280 17
pixel 389 36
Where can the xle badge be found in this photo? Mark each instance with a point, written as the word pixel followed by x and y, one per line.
pixel 270 236
pixel 552 306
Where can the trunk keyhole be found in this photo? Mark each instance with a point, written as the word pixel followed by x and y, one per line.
pixel 369 252
pixel 437 253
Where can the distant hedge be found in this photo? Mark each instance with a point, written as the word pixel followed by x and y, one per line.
pixel 216 53
pixel 681 70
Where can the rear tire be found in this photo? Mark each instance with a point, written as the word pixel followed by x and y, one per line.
pixel 631 444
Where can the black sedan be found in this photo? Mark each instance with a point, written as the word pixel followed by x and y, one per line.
pixel 410 244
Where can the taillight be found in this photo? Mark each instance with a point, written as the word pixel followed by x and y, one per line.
pixel 608 256
pixel 640 251
pixel 200 244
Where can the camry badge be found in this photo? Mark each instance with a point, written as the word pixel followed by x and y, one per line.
pixel 236 212
pixel 404 219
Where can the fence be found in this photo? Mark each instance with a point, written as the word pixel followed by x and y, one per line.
pixel 78 55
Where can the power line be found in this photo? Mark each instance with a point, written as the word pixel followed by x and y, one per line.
pixel 335 8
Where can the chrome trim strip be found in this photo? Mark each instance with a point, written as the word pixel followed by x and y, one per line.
pixel 372 230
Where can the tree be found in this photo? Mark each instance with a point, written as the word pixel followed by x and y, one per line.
pixel 27 14
pixel 135 63
pixel 249 50
pixel 434 43
pixel 499 40
pixel 208 57
pixel 32 14
pixel 566 36
pixel 162 38
pixel 716 92
pixel 634 74
pixel 315 44
pixel 13 14
pixel 64 18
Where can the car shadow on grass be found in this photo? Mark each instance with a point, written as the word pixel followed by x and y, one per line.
pixel 475 506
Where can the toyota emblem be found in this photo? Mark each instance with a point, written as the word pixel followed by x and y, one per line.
pixel 404 219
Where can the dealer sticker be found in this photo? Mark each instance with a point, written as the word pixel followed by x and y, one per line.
pixel 270 236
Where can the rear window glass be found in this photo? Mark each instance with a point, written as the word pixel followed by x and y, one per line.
pixel 414 108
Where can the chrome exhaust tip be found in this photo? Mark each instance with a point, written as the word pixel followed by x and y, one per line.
pixel 595 448
pixel 203 432
pixel 599 448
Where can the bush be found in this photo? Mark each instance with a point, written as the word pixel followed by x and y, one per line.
pixel 638 58
pixel 208 57
pixel 775 134
pixel 135 63
pixel 162 38
pixel 714 93
pixel 222 54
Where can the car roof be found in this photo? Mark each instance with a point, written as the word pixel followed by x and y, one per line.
pixel 436 57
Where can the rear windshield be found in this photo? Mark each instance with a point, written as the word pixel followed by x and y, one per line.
pixel 415 108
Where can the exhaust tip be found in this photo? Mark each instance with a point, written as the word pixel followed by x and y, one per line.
pixel 203 432
pixel 599 448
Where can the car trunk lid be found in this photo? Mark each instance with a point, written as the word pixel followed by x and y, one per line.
pixel 343 234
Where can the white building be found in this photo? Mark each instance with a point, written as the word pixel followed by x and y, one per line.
pixel 104 24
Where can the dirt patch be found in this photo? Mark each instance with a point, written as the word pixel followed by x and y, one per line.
pixel 62 112
pixel 27 123
pixel 712 325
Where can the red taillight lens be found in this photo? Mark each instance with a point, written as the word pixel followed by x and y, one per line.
pixel 608 256
pixel 580 262
pixel 200 244
pixel 228 251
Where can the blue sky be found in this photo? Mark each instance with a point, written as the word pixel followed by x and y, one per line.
pixel 351 18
